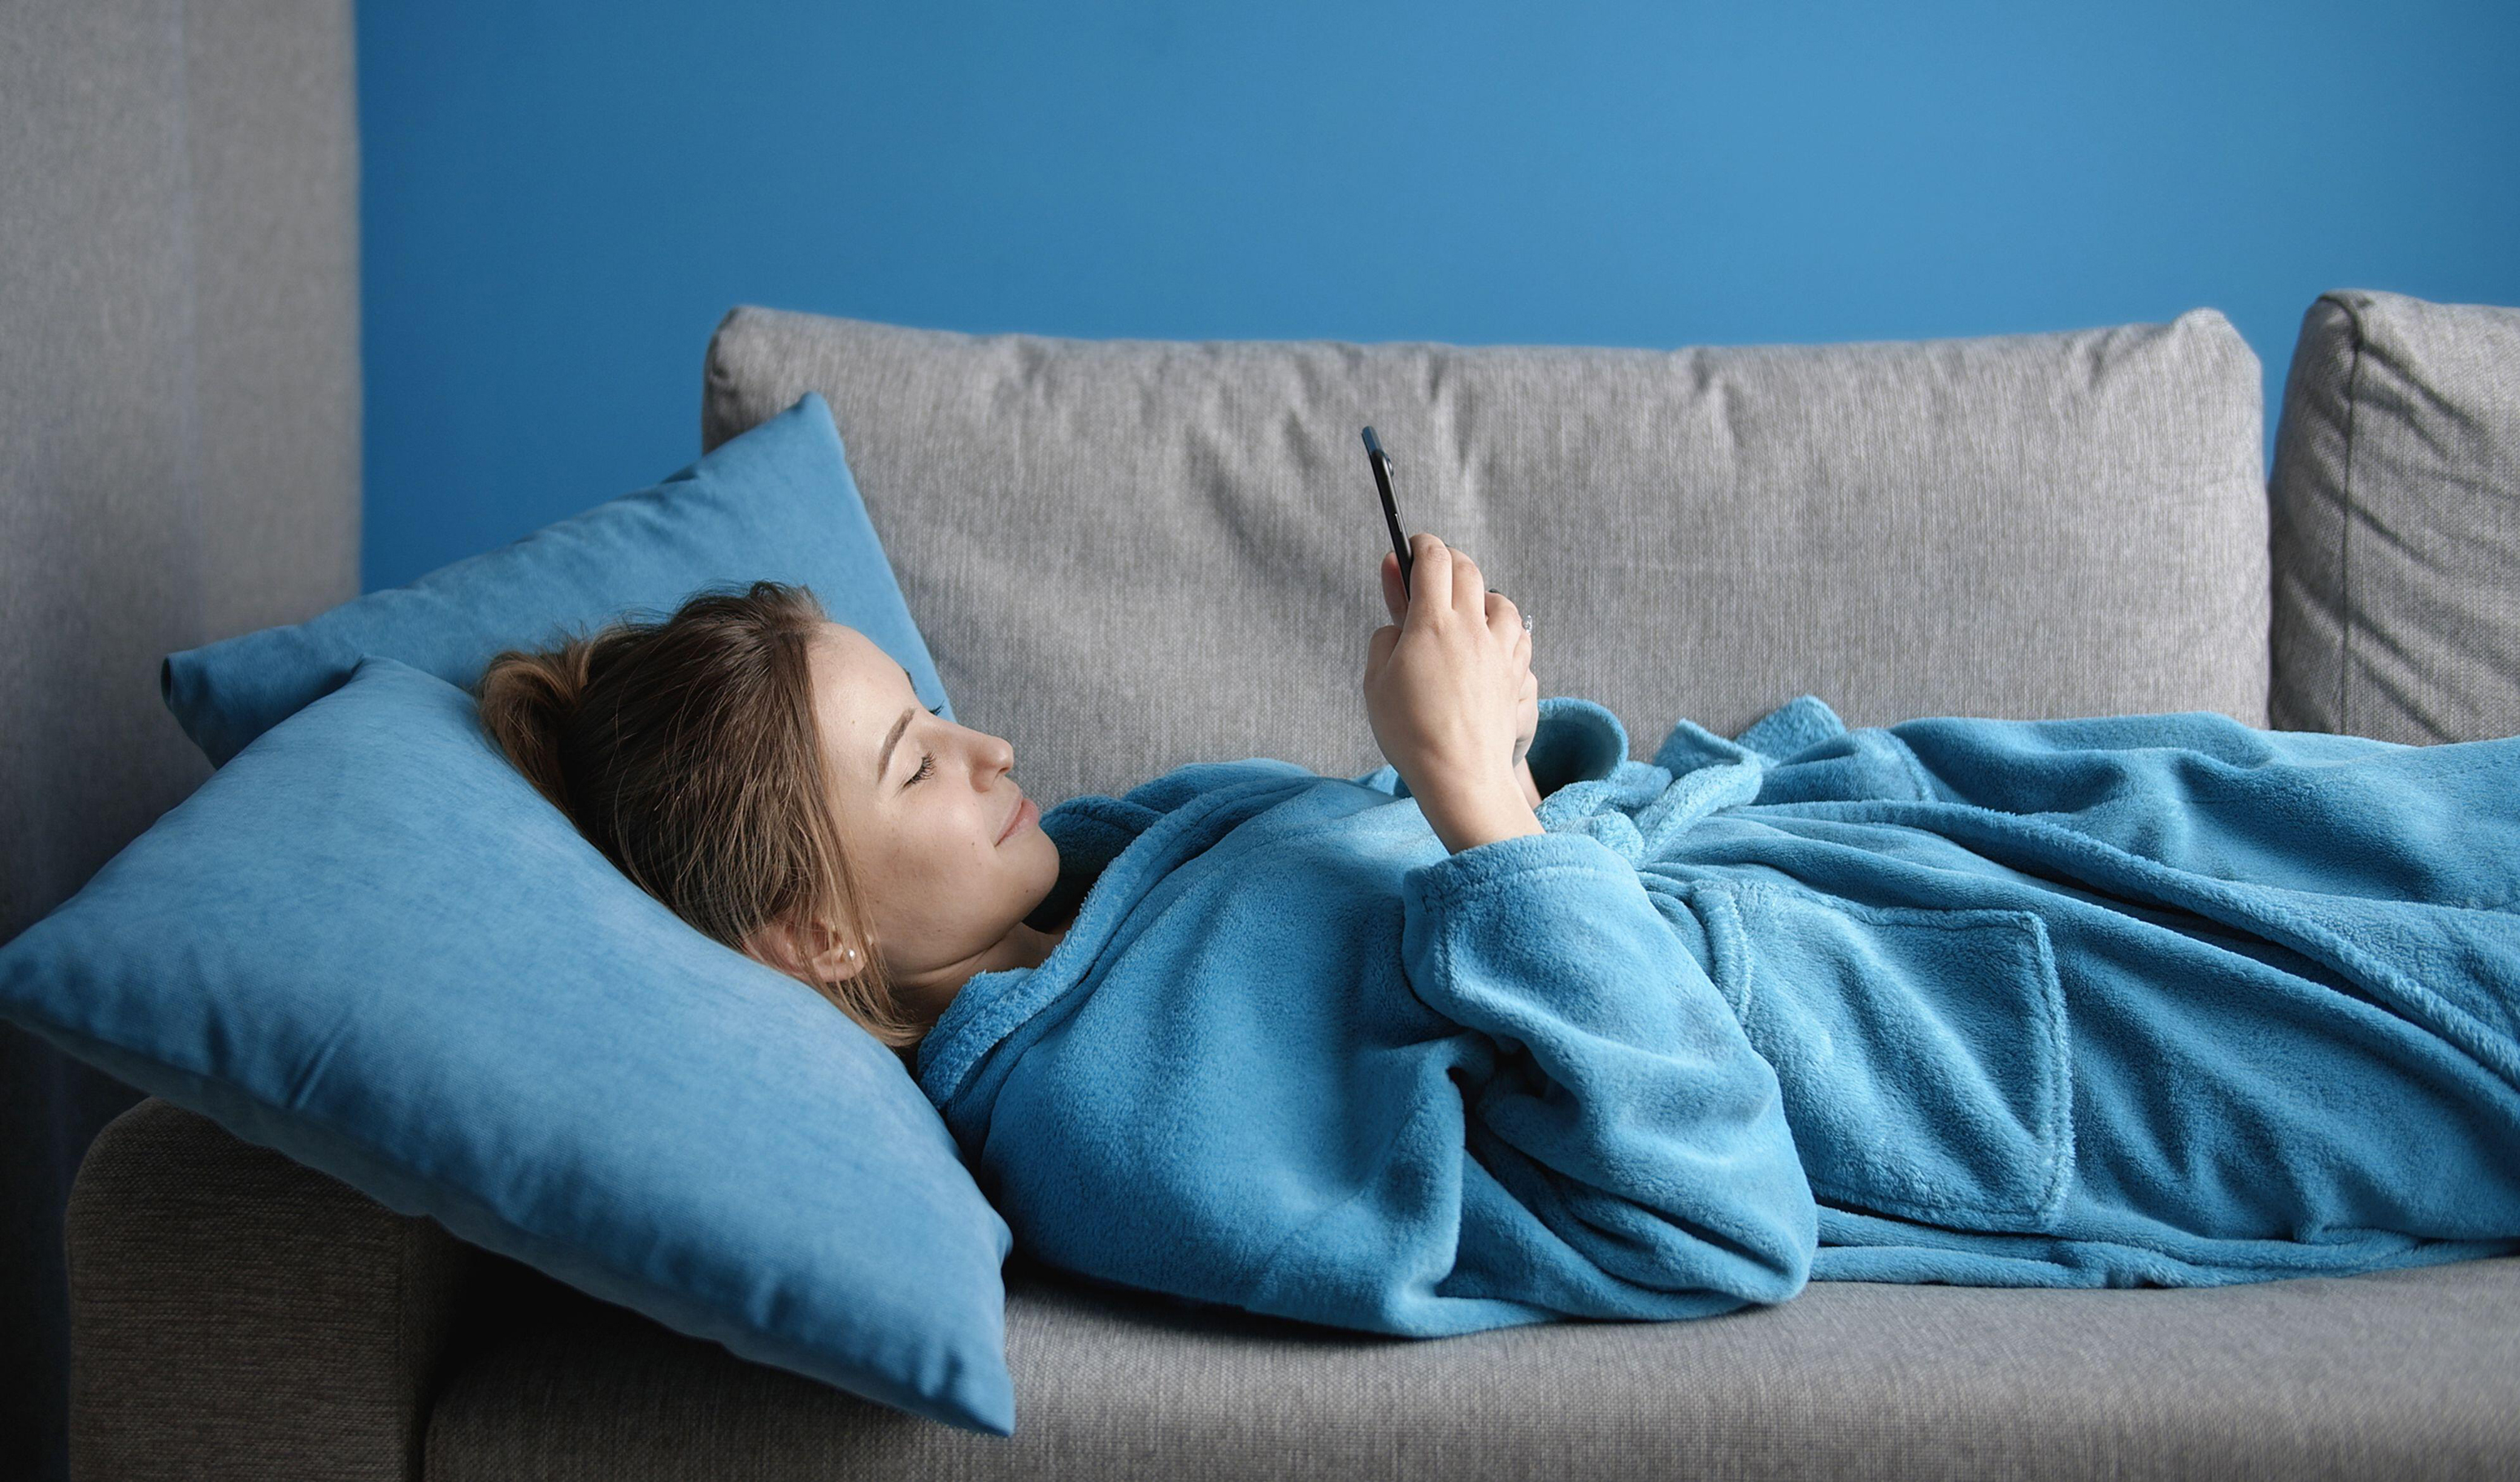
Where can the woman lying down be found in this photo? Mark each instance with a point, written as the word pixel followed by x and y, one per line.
pixel 1519 1028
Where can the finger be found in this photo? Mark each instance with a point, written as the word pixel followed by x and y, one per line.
pixel 1470 588
pixel 1395 593
pixel 1504 620
pixel 1430 578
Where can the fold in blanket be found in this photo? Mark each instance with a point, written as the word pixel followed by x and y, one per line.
pixel 2156 999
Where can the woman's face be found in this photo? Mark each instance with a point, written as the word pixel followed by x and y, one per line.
pixel 925 808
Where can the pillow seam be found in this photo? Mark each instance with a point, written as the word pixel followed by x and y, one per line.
pixel 2345 529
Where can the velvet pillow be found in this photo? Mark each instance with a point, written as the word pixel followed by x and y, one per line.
pixel 776 504
pixel 368 942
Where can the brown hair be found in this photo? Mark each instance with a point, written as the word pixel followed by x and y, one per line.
pixel 686 750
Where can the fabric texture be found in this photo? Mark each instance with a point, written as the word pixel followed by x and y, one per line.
pixel 776 507
pixel 239 1315
pixel 2398 1375
pixel 369 943
pixel 2111 1001
pixel 2396 509
pixel 1130 556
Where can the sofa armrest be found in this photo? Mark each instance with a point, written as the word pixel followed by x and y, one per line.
pixel 234 1314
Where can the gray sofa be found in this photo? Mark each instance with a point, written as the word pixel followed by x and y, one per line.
pixel 2038 525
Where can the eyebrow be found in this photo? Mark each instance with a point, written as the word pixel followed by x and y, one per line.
pixel 884 758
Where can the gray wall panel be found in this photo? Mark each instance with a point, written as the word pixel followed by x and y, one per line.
pixel 179 447
pixel 99 535
pixel 274 146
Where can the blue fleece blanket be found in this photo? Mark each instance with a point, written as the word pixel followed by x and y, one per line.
pixel 2157 999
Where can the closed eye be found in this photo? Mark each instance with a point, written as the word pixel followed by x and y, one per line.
pixel 926 759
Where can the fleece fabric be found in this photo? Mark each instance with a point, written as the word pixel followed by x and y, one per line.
pixel 2153 1000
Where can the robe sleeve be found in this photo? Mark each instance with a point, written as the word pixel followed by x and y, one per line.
pixel 1600 1139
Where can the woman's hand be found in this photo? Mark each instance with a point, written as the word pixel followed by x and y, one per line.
pixel 1450 698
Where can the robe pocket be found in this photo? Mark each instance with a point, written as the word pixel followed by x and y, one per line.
pixel 1921 1053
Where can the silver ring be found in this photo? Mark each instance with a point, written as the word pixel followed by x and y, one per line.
pixel 1526 622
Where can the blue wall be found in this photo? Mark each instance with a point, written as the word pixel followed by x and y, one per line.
pixel 560 199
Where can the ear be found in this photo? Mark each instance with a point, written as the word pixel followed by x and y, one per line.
pixel 818 952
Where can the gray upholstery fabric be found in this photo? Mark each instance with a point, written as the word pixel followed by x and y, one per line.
pixel 239 1316
pixel 179 453
pixel 2404 1374
pixel 1129 554
pixel 2397 521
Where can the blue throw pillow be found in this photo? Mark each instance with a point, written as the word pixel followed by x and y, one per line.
pixel 368 942
pixel 776 504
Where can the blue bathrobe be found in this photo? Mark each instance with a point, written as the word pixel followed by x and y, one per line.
pixel 2158 999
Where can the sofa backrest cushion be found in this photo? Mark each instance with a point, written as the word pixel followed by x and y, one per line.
pixel 1129 554
pixel 2397 521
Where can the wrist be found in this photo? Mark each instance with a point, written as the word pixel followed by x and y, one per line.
pixel 1466 819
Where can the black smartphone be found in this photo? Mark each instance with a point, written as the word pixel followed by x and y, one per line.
pixel 1382 465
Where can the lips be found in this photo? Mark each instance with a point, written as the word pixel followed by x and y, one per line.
pixel 1024 813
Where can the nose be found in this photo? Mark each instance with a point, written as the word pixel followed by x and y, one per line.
pixel 995 755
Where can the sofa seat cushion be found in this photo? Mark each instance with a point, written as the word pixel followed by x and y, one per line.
pixel 2412 1373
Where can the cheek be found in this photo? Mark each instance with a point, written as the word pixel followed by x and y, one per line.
pixel 936 856
pixel 947 856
